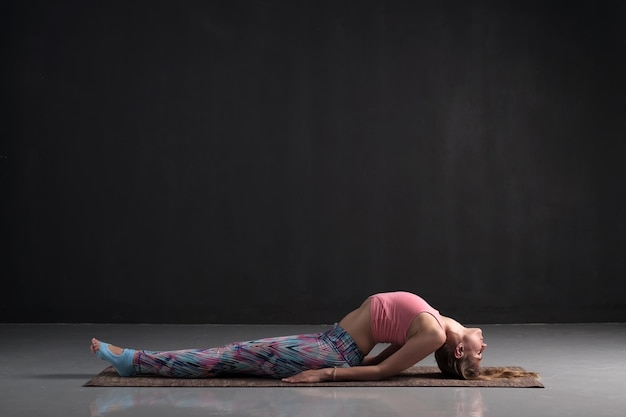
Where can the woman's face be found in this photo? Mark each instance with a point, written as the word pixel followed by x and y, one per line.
pixel 473 344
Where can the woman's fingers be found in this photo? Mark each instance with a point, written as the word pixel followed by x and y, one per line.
pixel 305 376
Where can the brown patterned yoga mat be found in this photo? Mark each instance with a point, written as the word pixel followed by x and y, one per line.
pixel 417 376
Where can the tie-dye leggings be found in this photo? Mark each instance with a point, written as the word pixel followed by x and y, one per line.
pixel 276 357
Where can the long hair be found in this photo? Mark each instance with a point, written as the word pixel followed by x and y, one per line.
pixel 460 368
pixel 464 368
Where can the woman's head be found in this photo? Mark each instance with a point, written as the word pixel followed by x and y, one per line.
pixel 460 356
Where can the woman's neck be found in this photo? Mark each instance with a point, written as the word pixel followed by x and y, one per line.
pixel 454 329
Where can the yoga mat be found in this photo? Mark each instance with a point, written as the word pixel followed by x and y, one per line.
pixel 416 376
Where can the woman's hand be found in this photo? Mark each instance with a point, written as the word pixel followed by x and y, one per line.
pixel 313 375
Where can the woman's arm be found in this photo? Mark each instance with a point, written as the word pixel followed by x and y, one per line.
pixel 375 360
pixel 414 350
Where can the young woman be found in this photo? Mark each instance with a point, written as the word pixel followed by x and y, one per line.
pixel 409 324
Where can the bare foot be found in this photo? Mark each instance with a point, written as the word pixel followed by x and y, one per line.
pixel 95 347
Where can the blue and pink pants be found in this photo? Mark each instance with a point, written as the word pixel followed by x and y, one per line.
pixel 276 357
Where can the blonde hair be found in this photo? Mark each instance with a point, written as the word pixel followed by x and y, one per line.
pixel 465 368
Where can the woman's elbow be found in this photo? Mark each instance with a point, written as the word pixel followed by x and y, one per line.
pixel 382 372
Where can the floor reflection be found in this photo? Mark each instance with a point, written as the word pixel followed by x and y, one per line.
pixel 313 402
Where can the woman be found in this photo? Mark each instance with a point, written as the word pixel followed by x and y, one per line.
pixel 413 329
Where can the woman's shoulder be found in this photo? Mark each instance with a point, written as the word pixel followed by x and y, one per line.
pixel 425 324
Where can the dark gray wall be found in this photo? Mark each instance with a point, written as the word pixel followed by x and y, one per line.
pixel 279 161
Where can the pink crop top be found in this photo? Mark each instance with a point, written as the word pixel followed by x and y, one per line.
pixel 392 314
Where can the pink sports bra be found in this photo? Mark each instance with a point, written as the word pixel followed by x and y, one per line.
pixel 392 314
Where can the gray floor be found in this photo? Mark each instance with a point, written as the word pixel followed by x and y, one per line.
pixel 43 368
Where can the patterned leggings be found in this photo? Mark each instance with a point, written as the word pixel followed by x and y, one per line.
pixel 276 357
